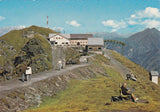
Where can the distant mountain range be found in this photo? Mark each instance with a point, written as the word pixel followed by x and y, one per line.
pixel 112 35
pixel 144 49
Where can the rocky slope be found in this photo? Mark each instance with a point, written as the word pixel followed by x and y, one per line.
pixel 28 46
pixel 30 96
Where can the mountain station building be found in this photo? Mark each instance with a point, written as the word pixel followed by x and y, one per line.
pixel 59 40
pixel 73 40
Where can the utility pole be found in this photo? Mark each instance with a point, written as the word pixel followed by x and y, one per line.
pixel 47 22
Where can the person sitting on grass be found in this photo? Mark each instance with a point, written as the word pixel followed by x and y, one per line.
pixel 126 91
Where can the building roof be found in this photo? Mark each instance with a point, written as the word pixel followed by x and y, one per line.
pixel 73 36
pixel 154 73
pixel 68 36
pixel 52 34
pixel 95 41
pixel 80 36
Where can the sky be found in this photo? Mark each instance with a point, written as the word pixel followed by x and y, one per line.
pixel 81 16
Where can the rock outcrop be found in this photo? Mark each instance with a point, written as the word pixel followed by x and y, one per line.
pixel 28 45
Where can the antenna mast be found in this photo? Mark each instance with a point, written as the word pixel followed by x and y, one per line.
pixel 47 22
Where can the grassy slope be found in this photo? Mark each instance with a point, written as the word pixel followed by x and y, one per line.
pixel 92 94
pixel 15 38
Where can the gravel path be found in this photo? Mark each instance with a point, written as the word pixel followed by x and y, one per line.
pixel 16 83
pixel 57 55
pixel 123 70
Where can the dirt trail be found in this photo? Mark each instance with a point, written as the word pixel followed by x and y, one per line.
pixel 57 54
pixel 123 70
pixel 13 84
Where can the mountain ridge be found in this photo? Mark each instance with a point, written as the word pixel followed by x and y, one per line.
pixel 143 48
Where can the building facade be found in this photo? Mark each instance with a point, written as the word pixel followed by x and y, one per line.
pixel 73 40
pixel 154 76
pixel 59 40
pixel 95 45
pixel 79 39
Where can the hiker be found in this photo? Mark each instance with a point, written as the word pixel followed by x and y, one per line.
pixel 63 63
pixel 28 73
pixel 59 65
pixel 133 77
pixel 23 70
pixel 126 91
pixel 87 60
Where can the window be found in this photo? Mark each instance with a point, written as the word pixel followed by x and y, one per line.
pixel 66 42
pixel 99 48
pixel 62 42
pixel 56 42
pixel 90 48
pixel 78 43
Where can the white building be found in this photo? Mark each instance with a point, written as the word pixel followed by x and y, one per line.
pixel 154 76
pixel 59 40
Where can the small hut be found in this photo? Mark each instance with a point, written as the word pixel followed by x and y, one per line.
pixel 95 45
pixel 154 76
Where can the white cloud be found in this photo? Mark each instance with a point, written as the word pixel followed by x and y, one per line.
pixel 5 30
pixel 133 16
pixel 132 22
pixel 114 24
pixel 59 29
pixel 149 12
pixel 113 30
pixel 73 23
pixel 148 18
pixel 2 18
pixel 151 23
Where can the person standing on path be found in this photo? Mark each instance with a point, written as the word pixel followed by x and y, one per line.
pixel 59 65
pixel 63 63
pixel 23 70
pixel 28 73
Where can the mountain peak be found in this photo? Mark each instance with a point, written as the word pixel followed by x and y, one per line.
pixel 151 29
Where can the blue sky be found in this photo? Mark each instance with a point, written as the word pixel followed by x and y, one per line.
pixel 81 16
